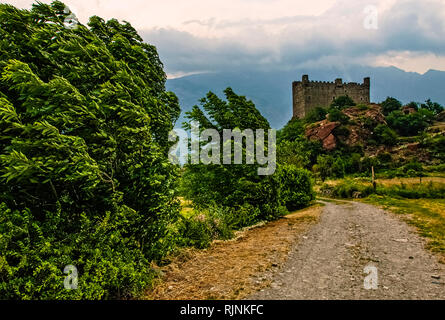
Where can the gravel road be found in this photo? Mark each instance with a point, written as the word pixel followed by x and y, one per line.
pixel 329 261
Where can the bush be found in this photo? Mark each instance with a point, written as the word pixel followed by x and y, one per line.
pixel 347 189
pixel 336 115
pixel 342 102
pixel 315 115
pixel 201 229
pixel 362 107
pixel 296 187
pixel 384 135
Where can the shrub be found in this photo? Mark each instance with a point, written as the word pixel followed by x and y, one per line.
pixel 315 115
pixel 348 189
pixel 342 102
pixel 384 135
pixel 296 187
pixel 199 230
pixel 362 107
pixel 336 115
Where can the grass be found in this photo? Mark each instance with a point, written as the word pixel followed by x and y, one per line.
pixel 411 188
pixel 427 215
pixel 186 207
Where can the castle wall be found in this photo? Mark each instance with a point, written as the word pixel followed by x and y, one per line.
pixel 310 94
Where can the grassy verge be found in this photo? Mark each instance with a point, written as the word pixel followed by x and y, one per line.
pixel 427 215
pixel 411 188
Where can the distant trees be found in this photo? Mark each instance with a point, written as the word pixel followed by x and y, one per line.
pixel 410 124
pixel 329 167
pixel 433 107
pixel 390 104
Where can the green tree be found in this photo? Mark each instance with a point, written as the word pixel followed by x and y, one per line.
pixel 410 124
pixel 338 168
pixel 233 186
pixel 433 107
pixel 85 177
pixel 337 116
pixel 385 135
pixel 324 166
pixel 292 131
pixel 390 104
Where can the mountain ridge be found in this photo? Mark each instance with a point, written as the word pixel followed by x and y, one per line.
pixel 271 91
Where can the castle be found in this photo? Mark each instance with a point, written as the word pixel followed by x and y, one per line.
pixel 307 94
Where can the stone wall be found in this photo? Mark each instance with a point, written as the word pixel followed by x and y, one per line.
pixel 310 94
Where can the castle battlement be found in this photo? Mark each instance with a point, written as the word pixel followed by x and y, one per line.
pixel 310 94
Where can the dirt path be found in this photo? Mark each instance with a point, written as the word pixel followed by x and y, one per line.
pixel 233 269
pixel 329 262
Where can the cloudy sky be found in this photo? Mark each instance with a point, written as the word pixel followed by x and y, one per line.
pixel 213 35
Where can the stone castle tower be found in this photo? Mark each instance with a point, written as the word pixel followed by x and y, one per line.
pixel 307 94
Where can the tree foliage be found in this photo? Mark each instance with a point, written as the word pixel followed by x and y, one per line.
pixel 234 186
pixel 390 104
pixel 410 124
pixel 85 178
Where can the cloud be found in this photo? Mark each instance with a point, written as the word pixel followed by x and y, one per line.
pixel 206 36
pixel 410 34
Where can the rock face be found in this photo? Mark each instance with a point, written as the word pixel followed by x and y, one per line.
pixel 359 127
pixel 322 131
pixel 408 110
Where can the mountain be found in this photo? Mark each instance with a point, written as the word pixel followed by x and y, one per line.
pixel 271 91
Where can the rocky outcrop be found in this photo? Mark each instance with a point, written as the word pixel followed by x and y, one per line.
pixel 359 127
pixel 322 131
